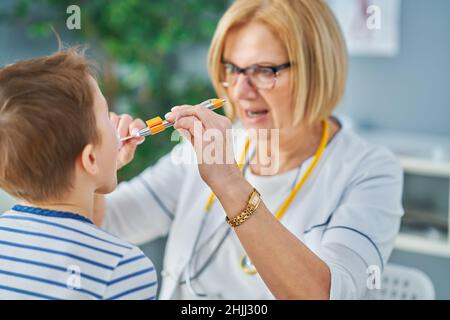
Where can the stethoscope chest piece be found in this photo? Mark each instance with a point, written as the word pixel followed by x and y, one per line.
pixel 247 266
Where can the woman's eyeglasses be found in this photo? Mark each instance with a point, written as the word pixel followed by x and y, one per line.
pixel 261 77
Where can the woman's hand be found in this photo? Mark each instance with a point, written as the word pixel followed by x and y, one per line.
pixel 125 125
pixel 211 137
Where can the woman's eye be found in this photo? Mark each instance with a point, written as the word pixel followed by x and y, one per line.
pixel 229 68
pixel 264 72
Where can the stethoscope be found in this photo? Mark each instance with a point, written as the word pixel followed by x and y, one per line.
pixel 187 271
pixel 246 265
pixel 188 277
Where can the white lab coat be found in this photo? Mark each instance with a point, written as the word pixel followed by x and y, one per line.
pixel 348 213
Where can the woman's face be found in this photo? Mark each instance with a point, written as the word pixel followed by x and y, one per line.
pixel 256 44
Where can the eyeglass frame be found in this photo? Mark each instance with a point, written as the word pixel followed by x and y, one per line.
pixel 275 69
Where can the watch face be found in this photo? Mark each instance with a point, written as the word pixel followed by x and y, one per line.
pixel 254 199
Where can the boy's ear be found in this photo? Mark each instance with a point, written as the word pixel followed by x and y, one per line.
pixel 89 161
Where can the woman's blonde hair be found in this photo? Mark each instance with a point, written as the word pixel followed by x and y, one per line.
pixel 314 44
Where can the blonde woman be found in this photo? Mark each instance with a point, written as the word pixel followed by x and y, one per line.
pixel 319 224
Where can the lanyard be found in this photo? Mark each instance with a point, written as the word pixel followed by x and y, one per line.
pixel 246 265
pixel 284 206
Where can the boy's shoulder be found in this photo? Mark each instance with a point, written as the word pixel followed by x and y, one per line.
pixel 122 266
pixel 61 226
pixel 131 252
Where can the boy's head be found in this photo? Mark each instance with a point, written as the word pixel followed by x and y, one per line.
pixel 55 131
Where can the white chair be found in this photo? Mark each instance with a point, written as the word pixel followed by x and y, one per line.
pixel 403 283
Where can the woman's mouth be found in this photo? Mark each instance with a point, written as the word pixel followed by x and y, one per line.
pixel 256 115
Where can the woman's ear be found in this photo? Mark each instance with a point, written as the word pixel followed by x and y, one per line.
pixel 89 160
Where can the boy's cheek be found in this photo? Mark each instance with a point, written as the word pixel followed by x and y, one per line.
pixel 112 147
pixel 113 137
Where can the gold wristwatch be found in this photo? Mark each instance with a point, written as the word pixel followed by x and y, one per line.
pixel 252 204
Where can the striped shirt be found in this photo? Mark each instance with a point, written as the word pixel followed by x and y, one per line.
pixel 47 254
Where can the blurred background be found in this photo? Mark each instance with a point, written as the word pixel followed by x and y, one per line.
pixel 152 55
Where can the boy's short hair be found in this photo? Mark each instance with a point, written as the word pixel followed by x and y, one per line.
pixel 46 119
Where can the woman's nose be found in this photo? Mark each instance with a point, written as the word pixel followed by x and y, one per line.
pixel 244 89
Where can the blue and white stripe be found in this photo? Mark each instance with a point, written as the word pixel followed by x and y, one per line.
pixel 57 255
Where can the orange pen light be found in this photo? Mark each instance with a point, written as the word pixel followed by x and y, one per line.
pixel 157 125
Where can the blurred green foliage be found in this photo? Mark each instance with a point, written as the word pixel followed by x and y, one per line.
pixel 137 44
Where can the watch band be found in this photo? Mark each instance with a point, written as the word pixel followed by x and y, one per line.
pixel 252 204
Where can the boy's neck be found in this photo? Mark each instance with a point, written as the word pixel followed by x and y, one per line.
pixel 79 204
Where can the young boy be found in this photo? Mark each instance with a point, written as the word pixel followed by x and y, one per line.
pixel 57 149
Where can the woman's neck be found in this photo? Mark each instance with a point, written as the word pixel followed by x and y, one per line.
pixel 294 145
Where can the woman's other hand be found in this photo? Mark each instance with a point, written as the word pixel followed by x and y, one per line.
pixel 125 125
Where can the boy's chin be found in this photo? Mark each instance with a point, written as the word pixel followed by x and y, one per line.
pixel 107 189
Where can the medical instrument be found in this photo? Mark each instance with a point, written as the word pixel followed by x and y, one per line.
pixel 157 125
pixel 187 272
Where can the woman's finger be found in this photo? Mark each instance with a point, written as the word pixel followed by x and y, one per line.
pixel 191 123
pixel 114 118
pixel 124 125
pixel 186 110
pixel 187 135
pixel 126 154
pixel 135 126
